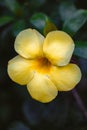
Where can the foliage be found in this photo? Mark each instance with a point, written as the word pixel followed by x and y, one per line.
pixel 17 109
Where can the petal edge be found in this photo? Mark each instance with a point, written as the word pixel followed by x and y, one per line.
pixel 19 70
pixel 42 89
pixel 65 78
pixel 29 43
pixel 58 48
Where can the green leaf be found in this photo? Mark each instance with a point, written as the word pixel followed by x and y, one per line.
pixel 38 20
pixel 77 20
pixel 36 3
pixel 49 26
pixel 43 23
pixel 5 19
pixel 14 6
pixel 18 26
pixel 66 9
pixel 81 49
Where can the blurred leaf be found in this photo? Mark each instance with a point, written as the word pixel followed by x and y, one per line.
pixel 75 116
pixel 2 2
pixel 18 26
pixel 38 20
pixel 66 9
pixel 36 3
pixel 83 66
pixel 14 6
pixel 56 112
pixel 77 20
pixel 32 111
pixel 81 49
pixel 42 23
pixel 49 26
pixel 18 125
pixel 5 19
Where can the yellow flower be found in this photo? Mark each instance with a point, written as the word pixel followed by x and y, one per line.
pixel 43 64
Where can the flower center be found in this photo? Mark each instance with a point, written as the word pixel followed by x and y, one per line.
pixel 43 65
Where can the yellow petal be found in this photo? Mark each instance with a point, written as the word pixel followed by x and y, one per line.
pixel 42 88
pixel 29 43
pixel 19 70
pixel 58 47
pixel 65 78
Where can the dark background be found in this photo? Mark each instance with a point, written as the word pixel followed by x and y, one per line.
pixel 18 111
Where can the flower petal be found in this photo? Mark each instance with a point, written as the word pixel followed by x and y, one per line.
pixel 58 47
pixel 19 70
pixel 29 43
pixel 42 88
pixel 65 78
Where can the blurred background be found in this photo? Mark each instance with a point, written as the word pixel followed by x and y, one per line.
pixel 18 111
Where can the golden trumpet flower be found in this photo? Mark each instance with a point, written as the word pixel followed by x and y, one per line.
pixel 43 64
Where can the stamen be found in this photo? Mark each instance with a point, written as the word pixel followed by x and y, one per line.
pixel 44 61
pixel 43 65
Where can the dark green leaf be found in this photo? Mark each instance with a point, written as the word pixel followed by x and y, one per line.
pixel 38 20
pixel 36 3
pixel 81 49
pixel 77 20
pixel 18 26
pixel 5 19
pixel 42 23
pixel 14 6
pixel 2 2
pixel 83 67
pixel 66 9
pixel 49 26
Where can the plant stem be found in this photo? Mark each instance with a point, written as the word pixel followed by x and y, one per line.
pixel 79 102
